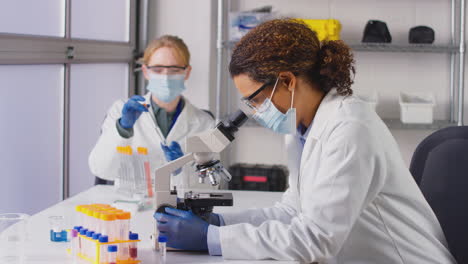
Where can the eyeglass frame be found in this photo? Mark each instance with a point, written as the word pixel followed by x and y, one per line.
pixel 183 68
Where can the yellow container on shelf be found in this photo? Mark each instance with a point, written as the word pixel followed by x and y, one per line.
pixel 326 29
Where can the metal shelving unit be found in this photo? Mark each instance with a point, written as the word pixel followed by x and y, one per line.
pixel 455 49
pixel 413 48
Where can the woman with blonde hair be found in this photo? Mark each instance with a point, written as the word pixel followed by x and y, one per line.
pixel 160 121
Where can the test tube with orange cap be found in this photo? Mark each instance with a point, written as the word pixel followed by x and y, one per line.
pixel 143 153
pixel 108 225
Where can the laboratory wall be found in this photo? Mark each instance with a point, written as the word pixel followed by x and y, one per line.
pixel 387 73
pixel 195 23
pixel 52 103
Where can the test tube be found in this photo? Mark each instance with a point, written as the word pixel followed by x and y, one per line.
pixel 108 225
pixel 82 241
pixel 124 218
pixel 147 171
pixel 95 241
pixel 119 181
pixel 74 245
pixel 130 170
pixel 78 215
pixel 97 221
pixel 133 246
pixel 162 240
pixel 84 212
pixel 89 244
pixel 103 249
pixel 112 254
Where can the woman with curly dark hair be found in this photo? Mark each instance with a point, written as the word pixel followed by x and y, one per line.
pixel 351 198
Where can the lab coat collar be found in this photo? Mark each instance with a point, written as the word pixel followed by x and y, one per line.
pixel 180 127
pixel 327 108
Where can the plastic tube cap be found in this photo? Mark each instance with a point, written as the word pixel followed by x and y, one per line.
pixel 96 236
pixel 162 239
pixel 107 217
pixel 90 234
pixel 142 150
pixel 78 208
pixel 83 231
pixel 78 228
pixel 74 233
pixel 133 236
pixel 124 215
pixel 112 248
pixel 97 214
pixel 103 239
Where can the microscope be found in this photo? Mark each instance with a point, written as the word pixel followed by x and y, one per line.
pixel 202 149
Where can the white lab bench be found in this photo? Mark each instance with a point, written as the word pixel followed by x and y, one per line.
pixel 40 250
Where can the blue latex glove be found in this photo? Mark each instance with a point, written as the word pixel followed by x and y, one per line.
pixel 172 152
pixel 183 229
pixel 131 111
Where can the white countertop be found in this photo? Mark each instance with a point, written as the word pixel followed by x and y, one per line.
pixel 41 250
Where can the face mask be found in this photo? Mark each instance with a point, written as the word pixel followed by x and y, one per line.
pixel 270 117
pixel 166 87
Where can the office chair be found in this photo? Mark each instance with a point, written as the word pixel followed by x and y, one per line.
pixel 98 180
pixel 440 167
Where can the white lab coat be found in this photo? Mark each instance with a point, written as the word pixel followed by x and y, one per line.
pixel 352 201
pixel 104 161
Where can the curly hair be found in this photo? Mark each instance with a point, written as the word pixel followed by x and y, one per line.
pixel 290 45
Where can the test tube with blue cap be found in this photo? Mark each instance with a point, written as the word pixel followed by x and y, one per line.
pixel 89 244
pixel 103 249
pixel 162 240
pixel 112 254
pixel 95 237
pixel 133 246
pixel 82 241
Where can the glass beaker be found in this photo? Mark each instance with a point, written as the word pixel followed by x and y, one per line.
pixel 58 233
pixel 13 235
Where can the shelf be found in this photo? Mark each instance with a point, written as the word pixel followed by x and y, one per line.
pixel 384 47
pixel 438 124
pixel 417 48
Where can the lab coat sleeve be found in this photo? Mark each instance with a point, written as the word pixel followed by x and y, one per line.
pixel 214 244
pixel 331 201
pixel 283 211
pixel 103 160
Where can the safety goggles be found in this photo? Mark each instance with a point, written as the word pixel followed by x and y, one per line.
pixel 169 70
pixel 254 102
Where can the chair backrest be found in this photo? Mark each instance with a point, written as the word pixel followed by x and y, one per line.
pixel 441 166
pixel 421 153
pixel 100 181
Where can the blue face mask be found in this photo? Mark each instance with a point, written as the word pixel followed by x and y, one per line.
pixel 166 87
pixel 270 117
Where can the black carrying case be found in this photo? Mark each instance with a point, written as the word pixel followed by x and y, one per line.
pixel 258 177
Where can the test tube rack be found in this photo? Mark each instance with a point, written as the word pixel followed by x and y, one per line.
pixel 99 245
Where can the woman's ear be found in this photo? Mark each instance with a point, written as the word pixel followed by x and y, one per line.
pixel 188 71
pixel 288 79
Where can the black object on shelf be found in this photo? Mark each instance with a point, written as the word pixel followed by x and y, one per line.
pixel 421 35
pixel 258 177
pixel 376 32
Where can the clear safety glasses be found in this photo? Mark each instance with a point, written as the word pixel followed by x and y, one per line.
pixel 168 70
pixel 254 102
